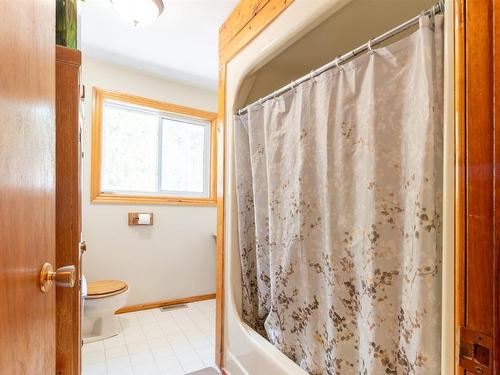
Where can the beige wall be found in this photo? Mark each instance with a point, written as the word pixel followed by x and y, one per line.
pixel 175 257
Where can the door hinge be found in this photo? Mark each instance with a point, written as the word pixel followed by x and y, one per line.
pixel 475 351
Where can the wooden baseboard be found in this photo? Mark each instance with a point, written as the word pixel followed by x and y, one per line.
pixel 154 305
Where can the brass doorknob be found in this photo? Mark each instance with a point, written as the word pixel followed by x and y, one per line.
pixel 63 276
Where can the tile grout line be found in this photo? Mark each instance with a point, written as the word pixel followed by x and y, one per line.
pixel 183 334
pixel 199 322
pixel 106 357
pixel 169 345
pixel 147 343
pixel 125 342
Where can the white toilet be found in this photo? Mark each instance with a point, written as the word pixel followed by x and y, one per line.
pixel 102 300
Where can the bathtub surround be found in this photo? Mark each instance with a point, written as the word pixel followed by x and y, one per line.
pixel 341 253
pixel 175 257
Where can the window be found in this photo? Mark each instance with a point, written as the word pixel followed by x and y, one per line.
pixel 146 151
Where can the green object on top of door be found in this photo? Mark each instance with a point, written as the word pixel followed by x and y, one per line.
pixel 66 23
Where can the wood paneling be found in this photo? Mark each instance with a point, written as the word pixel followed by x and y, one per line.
pixel 97 196
pixel 496 121
pixel 68 207
pixel 479 164
pixel 459 51
pixel 265 13
pixel 27 185
pixel 478 263
pixel 157 304
pixel 238 19
pixel 221 145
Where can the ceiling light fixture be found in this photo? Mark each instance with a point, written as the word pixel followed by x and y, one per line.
pixel 139 12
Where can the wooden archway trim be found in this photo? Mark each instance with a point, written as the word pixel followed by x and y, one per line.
pixel 246 21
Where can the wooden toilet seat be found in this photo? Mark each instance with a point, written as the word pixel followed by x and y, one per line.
pixel 105 288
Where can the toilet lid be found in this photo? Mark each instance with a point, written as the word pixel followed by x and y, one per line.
pixel 105 287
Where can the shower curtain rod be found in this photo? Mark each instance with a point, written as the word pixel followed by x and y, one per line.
pixel 437 8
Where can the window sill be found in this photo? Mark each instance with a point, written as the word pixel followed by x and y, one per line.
pixel 141 199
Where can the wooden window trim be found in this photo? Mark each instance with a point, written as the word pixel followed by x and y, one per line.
pixel 97 196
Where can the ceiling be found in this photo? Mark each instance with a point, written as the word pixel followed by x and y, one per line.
pixel 180 45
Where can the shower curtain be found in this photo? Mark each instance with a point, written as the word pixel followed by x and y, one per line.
pixel 339 194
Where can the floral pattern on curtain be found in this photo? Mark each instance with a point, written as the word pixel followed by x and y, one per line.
pixel 339 194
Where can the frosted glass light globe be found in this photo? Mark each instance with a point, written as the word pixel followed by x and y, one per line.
pixel 139 12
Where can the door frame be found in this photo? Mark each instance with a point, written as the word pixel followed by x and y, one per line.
pixel 246 21
pixel 477 208
pixel 459 45
pixel 68 209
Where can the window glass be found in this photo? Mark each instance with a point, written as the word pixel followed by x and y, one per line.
pixel 129 149
pixel 183 156
pixel 153 153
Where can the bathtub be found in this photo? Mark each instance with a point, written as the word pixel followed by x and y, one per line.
pixel 245 351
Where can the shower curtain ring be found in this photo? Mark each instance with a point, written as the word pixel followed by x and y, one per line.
pixel 311 76
pixel 441 6
pixel 433 9
pixel 337 63
pixel 370 47
pixel 432 17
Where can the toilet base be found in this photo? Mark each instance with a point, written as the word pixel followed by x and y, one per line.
pixel 100 328
pixel 99 319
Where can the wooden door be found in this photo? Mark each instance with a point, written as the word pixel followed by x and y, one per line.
pixel 27 185
pixel 68 207
pixel 478 176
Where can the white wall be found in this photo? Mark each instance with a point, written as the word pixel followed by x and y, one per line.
pixel 175 257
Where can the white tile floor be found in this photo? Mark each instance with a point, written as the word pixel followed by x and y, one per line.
pixel 154 342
